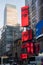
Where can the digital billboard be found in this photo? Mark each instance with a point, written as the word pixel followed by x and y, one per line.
pixel 27 35
pixel 39 29
pixel 25 16
pixel 23 56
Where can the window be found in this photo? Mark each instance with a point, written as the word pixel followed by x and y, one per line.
pixel 41 13
pixel 40 2
pixel 33 1
pixel 34 7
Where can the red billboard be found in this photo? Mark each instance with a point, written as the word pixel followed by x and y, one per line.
pixel 29 46
pixel 30 49
pixel 23 56
pixel 27 35
pixel 25 20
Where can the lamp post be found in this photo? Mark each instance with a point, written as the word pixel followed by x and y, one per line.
pixel 13 43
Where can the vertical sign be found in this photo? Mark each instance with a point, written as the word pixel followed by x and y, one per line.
pixel 25 16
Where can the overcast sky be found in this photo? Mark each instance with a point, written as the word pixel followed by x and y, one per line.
pixel 18 3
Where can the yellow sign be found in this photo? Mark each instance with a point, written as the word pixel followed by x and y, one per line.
pixel 19 42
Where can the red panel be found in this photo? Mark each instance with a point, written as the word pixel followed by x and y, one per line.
pixel 30 34
pixel 23 56
pixel 37 46
pixel 30 49
pixel 24 16
pixel 25 36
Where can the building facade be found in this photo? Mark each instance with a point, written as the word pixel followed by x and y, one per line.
pixel 0 47
pixel 35 8
pixel 11 31
pixel 36 15
pixel 10 15
pixel 9 37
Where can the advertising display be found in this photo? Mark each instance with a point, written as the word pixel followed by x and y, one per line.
pixel 25 16
pixel 27 35
pixel 23 56
pixel 30 49
pixel 39 29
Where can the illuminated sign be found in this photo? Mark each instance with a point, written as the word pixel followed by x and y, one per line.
pixel 39 29
pixel 30 49
pixel 25 16
pixel 23 56
pixel 27 35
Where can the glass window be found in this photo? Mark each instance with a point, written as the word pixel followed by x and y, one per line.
pixel 40 2
pixel 41 13
pixel 33 1
pixel 34 13
pixel 34 7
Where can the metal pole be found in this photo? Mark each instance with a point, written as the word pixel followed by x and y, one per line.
pixel 1 60
pixel 13 42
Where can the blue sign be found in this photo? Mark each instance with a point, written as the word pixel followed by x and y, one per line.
pixel 39 29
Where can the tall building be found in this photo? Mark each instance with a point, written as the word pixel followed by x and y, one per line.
pixel 32 10
pixel 0 47
pixel 9 35
pixel 36 11
pixel 36 15
pixel 11 30
pixel 10 15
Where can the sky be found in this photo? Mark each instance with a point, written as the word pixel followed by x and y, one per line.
pixel 17 3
